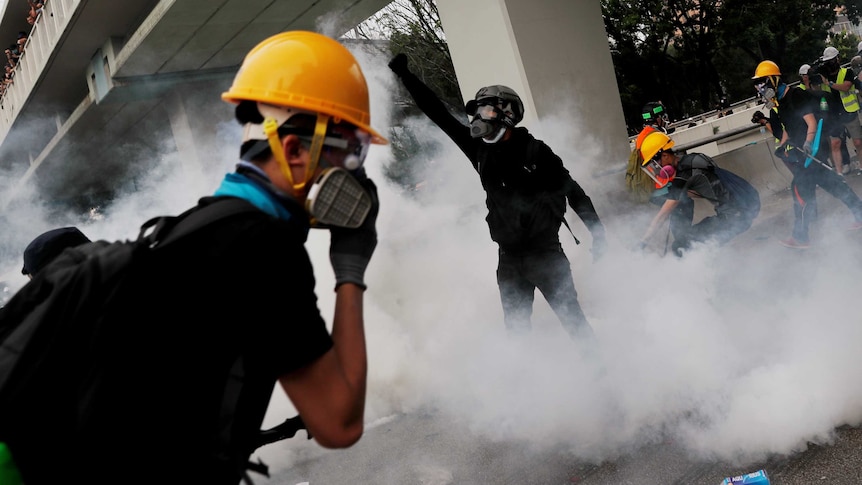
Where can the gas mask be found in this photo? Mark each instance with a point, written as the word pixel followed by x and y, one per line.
pixel 766 92
pixel 487 122
pixel 337 199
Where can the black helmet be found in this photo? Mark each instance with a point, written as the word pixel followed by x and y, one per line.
pixel 654 110
pixel 504 98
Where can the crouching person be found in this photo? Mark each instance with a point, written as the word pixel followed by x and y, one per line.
pixel 695 175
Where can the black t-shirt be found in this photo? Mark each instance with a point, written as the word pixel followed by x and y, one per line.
pixel 695 174
pixel 789 116
pixel 243 286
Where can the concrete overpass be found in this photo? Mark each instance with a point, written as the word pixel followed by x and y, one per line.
pixel 103 85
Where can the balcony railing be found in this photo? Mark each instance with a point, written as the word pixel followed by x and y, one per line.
pixel 41 43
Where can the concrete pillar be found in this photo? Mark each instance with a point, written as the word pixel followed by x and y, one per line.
pixel 553 53
pixel 184 138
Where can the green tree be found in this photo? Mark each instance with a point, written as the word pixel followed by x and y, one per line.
pixel 413 27
pixel 690 53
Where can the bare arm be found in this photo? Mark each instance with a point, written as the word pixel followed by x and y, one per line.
pixel 812 126
pixel 329 394
pixel 663 213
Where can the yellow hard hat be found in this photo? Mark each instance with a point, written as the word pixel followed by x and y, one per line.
pixel 306 71
pixel 766 68
pixel 654 143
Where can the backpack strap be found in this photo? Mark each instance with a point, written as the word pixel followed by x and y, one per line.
pixel 163 230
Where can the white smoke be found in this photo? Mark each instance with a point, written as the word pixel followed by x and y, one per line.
pixel 735 353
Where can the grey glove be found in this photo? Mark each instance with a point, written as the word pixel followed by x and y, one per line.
pixel 350 250
pixel 806 147
pixel 399 64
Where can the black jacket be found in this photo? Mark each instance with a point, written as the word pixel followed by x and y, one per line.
pixel 526 184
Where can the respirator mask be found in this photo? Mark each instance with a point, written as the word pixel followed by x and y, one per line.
pixel 336 197
pixel 487 122
pixel 766 91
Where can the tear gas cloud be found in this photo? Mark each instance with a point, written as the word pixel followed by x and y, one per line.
pixel 735 353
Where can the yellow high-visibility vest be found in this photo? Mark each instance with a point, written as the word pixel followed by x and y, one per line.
pixel 848 98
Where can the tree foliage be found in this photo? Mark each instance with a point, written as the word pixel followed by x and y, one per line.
pixel 413 27
pixel 688 54
pixel 691 53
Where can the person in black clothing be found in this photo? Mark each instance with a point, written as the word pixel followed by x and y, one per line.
pixel 174 385
pixel 695 175
pixel 795 125
pixel 526 187
pixel 47 246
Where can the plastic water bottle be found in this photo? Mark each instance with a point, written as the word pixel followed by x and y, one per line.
pixel 756 478
pixel 824 106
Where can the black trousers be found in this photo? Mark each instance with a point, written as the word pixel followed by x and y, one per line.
pixel 804 185
pixel 720 228
pixel 520 273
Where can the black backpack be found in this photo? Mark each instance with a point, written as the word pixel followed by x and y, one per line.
pixel 66 300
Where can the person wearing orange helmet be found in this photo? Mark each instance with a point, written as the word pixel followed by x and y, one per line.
pixel 794 124
pixel 655 118
pixel 526 188
pixel 201 334
pixel 695 175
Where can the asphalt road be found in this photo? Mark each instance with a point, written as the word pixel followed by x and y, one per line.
pixel 421 448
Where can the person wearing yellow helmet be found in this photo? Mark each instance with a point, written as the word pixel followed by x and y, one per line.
pixel 526 188
pixel 695 175
pixel 655 118
pixel 187 359
pixel 794 123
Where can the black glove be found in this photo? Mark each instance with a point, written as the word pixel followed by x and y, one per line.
pixel 806 147
pixel 350 250
pixel 783 152
pixel 399 64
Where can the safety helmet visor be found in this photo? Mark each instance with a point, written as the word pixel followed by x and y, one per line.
pixel 661 174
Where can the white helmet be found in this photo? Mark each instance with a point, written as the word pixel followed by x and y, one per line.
pixel 803 69
pixel 829 53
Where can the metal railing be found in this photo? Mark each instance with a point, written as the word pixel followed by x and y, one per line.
pixel 40 45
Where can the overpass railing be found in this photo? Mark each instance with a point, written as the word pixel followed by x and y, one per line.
pixel 41 44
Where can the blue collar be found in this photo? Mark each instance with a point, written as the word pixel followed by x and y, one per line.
pixel 245 187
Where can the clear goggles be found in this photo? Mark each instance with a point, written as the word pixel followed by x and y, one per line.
pixel 488 112
pixel 343 147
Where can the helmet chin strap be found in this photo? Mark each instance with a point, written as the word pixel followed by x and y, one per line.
pixel 270 128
